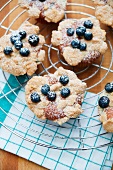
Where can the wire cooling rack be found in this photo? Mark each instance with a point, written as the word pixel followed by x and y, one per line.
pixel 86 130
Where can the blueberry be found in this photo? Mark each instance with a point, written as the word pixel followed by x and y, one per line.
pixel 8 50
pixel 65 92
pixel 88 35
pixel 64 79
pixel 75 43
pixel 33 40
pixel 35 98
pixel 70 32
pixel 45 89
pixel 14 38
pixel 88 24
pixel 109 87
pixel 51 96
pixel 42 0
pixel 22 34
pixel 18 44
pixel 24 52
pixel 104 102
pixel 80 31
pixel 83 46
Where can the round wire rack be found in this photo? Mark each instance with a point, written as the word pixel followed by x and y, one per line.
pixel 82 133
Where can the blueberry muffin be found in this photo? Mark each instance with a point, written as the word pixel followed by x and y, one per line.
pixel 57 97
pixel 49 10
pixel 104 11
pixel 106 107
pixel 21 51
pixel 80 41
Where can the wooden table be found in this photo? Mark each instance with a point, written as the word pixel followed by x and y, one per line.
pixel 9 161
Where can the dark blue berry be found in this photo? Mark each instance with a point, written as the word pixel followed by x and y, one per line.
pixel 18 45
pixel 22 34
pixel 35 98
pixel 42 0
pixel 33 40
pixel 51 96
pixel 104 102
pixel 70 32
pixel 88 24
pixel 88 35
pixel 24 52
pixel 83 46
pixel 45 89
pixel 8 50
pixel 109 87
pixel 14 38
pixel 64 79
pixel 65 92
pixel 80 31
pixel 75 43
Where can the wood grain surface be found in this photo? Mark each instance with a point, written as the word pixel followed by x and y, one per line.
pixel 9 161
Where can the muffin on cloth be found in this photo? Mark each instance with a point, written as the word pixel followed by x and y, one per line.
pixel 21 50
pixel 80 41
pixel 104 11
pixel 49 10
pixel 57 97
pixel 105 107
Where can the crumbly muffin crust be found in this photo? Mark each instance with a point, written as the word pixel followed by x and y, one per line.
pixel 50 10
pixel 106 114
pixel 74 56
pixel 15 63
pixel 62 109
pixel 104 11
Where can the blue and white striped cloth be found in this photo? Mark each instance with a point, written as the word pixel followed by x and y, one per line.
pixel 15 114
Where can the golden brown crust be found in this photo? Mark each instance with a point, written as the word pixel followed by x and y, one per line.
pixel 16 64
pixel 70 107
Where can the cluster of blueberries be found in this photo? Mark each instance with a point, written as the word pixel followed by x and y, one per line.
pixel 51 95
pixel 16 40
pixel 104 100
pixel 81 31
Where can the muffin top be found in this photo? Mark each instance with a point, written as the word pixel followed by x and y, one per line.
pixel 80 40
pixel 57 96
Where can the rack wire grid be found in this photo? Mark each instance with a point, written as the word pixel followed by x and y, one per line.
pixel 82 133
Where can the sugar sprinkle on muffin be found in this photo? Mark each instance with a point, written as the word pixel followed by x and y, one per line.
pixel 57 97
pixel 80 41
pixel 21 51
